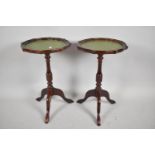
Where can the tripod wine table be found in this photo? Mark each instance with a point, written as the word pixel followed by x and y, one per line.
pixel 100 46
pixel 46 46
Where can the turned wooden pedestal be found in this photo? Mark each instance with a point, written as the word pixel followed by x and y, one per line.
pixel 50 90
pixel 98 92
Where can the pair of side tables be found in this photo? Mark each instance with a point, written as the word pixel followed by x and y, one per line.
pixel 99 46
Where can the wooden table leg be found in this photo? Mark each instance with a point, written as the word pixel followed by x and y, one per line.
pixel 98 92
pixel 48 102
pixel 43 93
pixel 60 93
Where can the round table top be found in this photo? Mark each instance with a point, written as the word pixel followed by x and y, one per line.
pixel 45 45
pixel 102 45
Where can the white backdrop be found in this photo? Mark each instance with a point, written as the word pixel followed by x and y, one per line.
pixel 128 76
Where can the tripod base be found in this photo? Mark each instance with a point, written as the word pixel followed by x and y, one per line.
pixel 97 93
pixel 93 92
pixel 53 91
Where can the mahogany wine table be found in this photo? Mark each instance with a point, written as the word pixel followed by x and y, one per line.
pixel 100 46
pixel 46 46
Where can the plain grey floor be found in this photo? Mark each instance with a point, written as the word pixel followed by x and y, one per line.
pixel 128 76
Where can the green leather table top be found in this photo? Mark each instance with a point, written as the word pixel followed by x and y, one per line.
pixel 43 45
pixel 101 45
